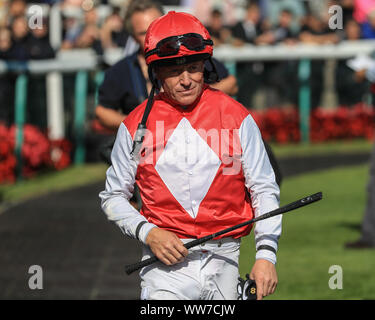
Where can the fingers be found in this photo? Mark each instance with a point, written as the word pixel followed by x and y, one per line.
pixel 166 246
pixel 269 286
pixel 265 278
pixel 172 252
pixel 181 248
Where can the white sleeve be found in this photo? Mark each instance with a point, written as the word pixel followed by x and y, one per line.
pixel 119 189
pixel 261 183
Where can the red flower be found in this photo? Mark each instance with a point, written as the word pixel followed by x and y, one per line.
pixel 36 152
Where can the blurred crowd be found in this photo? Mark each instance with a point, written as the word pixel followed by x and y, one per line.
pixel 234 22
pixel 17 40
pixel 100 25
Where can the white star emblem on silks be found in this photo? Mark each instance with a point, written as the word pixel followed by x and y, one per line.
pixel 187 167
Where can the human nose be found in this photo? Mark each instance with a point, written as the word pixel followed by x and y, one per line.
pixel 185 78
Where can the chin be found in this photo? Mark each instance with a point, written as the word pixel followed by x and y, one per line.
pixel 187 100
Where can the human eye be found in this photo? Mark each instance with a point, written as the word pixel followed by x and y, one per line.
pixel 194 68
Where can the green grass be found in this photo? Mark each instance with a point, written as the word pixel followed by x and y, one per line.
pixel 73 176
pixel 313 238
pixel 336 147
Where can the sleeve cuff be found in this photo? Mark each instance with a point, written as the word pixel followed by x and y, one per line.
pixel 266 255
pixel 266 249
pixel 144 230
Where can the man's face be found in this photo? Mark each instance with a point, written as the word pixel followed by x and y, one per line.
pixel 183 83
pixel 253 14
pixel 140 22
pixel 285 19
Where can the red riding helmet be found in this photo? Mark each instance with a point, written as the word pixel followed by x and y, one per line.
pixel 176 35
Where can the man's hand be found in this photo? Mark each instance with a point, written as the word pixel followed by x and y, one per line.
pixel 264 274
pixel 166 246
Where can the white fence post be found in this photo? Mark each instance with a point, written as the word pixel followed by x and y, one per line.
pixel 55 105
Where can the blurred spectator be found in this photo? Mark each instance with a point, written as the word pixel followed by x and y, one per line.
pixel 350 89
pixel 20 33
pixel 38 43
pixel 113 33
pixel 219 33
pixel 233 9
pixel 6 80
pixel 319 9
pixel 72 3
pixel 348 9
pixel 38 48
pixel 126 83
pixel 315 31
pixel 5 43
pixel 368 27
pixel 367 238
pixel 85 34
pixel 282 32
pixel 72 29
pixel 250 75
pixel 89 36
pixel 17 8
pixel 281 76
pixel 272 9
pixel 250 28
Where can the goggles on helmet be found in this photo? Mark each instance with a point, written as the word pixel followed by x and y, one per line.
pixel 170 46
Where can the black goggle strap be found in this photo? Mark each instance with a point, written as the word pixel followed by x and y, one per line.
pixel 141 129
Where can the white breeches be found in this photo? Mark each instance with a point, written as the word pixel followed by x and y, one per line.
pixel 209 272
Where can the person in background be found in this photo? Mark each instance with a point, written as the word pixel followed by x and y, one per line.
pixel 39 45
pixel 126 82
pixel 113 33
pixel 82 34
pixel 249 74
pixel 220 33
pixel 315 31
pixel 20 38
pixel 347 8
pixel 38 48
pixel 248 30
pixel 349 87
pixel 71 30
pixel 280 77
pixel 282 32
pixel 7 80
pixel 5 44
pixel 367 238
pixel 17 8
pixel 368 27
